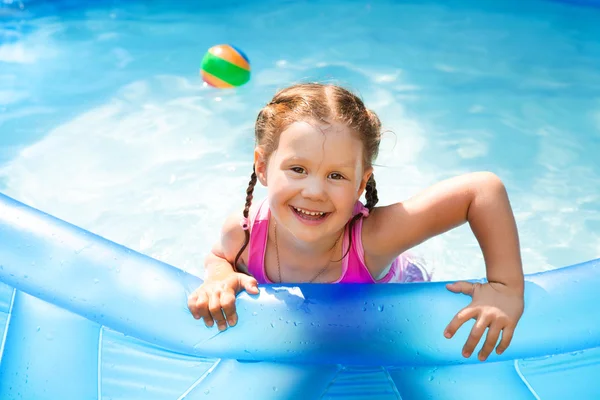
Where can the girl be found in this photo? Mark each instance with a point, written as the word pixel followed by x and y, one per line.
pixel 315 147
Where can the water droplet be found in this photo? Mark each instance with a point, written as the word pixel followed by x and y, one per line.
pixel 96 280
pixel 275 388
pixel 380 308
pixel 430 378
pixel 254 314
pixel 38 329
pixel 272 325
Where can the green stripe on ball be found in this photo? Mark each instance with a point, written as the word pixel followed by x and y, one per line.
pixel 225 70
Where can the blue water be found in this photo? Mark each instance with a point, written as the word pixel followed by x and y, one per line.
pixel 105 122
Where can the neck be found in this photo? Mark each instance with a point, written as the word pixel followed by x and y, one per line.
pixel 302 253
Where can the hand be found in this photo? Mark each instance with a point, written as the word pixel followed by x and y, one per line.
pixel 494 306
pixel 214 300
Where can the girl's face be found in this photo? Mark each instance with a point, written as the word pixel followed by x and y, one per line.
pixel 314 178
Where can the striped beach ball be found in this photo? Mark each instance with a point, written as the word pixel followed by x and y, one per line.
pixel 225 66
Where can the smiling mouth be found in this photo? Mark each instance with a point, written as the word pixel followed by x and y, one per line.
pixel 309 215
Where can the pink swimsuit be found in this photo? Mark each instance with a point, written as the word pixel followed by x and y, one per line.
pixel 354 269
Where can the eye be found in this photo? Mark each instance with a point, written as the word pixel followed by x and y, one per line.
pixel 298 170
pixel 336 176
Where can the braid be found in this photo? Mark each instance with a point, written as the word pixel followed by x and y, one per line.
pixel 372 199
pixel 249 196
pixel 371 193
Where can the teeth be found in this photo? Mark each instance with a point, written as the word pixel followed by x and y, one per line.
pixel 308 212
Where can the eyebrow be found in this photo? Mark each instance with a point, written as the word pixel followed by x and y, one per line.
pixel 301 160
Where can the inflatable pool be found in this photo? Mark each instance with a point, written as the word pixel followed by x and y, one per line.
pixel 85 318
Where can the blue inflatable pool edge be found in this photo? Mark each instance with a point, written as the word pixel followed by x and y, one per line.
pixel 292 341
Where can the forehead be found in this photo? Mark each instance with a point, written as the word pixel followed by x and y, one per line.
pixel 308 139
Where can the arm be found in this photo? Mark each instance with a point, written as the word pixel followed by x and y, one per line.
pixel 481 200
pixel 214 300
pixel 478 198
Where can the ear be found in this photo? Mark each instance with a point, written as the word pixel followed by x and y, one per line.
pixel 363 183
pixel 260 165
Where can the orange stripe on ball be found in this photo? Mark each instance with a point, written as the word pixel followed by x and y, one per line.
pixel 228 53
pixel 214 81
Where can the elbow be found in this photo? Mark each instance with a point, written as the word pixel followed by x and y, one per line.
pixel 488 189
pixel 488 182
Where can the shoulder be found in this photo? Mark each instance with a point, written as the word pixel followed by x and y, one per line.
pixel 233 236
pixel 377 256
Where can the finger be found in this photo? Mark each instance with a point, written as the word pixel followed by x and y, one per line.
pixel 214 305
pixel 490 341
pixel 202 309
pixel 249 284
pixel 474 336
pixel 192 298
pixel 228 306
pixel 461 287
pixel 507 335
pixel 459 319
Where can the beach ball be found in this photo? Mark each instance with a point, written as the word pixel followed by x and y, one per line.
pixel 225 66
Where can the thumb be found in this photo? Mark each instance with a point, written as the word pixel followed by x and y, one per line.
pixel 249 284
pixel 461 287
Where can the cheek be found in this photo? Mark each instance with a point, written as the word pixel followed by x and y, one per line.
pixel 279 187
pixel 278 181
pixel 344 196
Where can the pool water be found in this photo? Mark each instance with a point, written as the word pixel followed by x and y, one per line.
pixel 105 122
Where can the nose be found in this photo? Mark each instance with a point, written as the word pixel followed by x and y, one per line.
pixel 314 189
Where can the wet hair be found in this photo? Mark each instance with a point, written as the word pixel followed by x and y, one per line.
pixel 325 103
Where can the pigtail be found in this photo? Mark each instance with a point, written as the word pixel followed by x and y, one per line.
pixel 245 223
pixel 372 199
pixel 371 193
